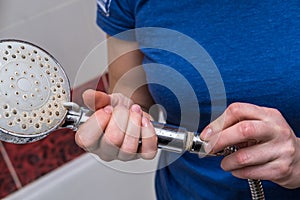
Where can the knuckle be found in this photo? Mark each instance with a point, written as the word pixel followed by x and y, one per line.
pixel 284 171
pixel 247 129
pixel 234 109
pixel 290 149
pixel 273 112
pixel 287 133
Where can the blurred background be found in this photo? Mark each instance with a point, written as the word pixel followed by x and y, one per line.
pixel 55 168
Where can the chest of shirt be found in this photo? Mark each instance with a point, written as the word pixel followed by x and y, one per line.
pixel 255 46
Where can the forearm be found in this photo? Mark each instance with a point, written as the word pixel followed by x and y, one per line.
pixel 126 74
pixel 140 95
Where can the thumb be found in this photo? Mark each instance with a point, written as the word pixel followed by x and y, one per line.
pixel 95 100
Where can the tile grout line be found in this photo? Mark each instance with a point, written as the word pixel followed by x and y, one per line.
pixel 10 167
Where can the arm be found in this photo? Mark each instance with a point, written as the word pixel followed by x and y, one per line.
pixel 126 73
pixel 114 130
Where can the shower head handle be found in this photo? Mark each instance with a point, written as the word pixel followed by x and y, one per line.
pixel 76 115
pixel 170 138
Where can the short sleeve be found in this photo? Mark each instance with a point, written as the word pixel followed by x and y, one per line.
pixel 116 17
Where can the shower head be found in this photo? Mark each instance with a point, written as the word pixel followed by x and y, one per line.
pixel 33 89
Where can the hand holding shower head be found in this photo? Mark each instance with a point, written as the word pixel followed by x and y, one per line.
pixel 35 100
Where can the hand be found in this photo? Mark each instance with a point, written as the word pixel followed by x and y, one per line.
pixel 269 149
pixel 114 130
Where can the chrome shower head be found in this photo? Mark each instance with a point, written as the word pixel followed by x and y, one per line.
pixel 33 88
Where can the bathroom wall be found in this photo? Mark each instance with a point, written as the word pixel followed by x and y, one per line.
pixel 67 30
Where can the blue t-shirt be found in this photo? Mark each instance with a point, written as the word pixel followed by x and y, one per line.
pixel 255 46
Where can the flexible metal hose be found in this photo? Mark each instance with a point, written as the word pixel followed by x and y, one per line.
pixel 257 191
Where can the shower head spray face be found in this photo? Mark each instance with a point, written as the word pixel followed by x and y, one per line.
pixel 33 89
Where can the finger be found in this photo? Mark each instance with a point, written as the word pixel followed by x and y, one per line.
pixel 89 133
pixel 95 100
pixel 148 116
pixel 120 99
pixel 273 171
pixel 130 143
pixel 148 147
pixel 250 156
pixel 114 134
pixel 241 132
pixel 235 113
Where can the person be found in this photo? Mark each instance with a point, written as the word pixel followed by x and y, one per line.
pixel 256 47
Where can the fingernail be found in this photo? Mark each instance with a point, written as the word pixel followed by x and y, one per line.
pixel 207 133
pixel 136 108
pixel 108 109
pixel 145 122
pixel 207 147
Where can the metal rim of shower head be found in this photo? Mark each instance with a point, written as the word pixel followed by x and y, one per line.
pixel 33 88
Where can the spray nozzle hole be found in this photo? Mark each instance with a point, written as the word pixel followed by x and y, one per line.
pixel 24 126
